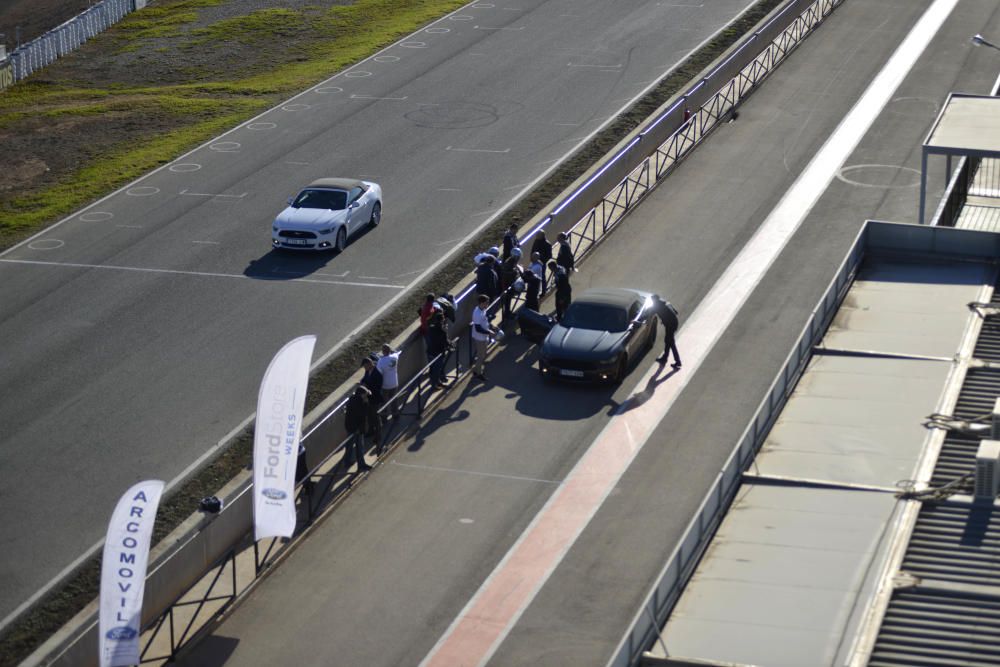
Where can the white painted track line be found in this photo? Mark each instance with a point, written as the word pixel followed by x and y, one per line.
pixel 474 636
pixel 199 274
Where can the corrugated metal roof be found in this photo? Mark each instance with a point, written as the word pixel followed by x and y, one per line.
pixel 937 629
pixel 947 611
pixel 957 543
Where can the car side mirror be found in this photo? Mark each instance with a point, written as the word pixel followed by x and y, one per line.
pixel 290 200
pixel 354 204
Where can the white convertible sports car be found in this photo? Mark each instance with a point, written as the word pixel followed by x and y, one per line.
pixel 326 213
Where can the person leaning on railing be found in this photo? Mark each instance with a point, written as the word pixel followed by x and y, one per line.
pixel 438 347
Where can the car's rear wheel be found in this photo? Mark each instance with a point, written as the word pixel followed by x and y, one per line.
pixel 341 239
pixel 376 214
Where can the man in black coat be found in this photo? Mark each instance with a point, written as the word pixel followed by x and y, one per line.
pixel 510 241
pixel 532 287
pixel 544 250
pixel 565 257
pixel 487 280
pixel 372 381
pixel 356 421
pixel 564 291
pixel 438 346
pixel 669 318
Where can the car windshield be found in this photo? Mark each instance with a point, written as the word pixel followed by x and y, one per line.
pixel 335 200
pixel 599 317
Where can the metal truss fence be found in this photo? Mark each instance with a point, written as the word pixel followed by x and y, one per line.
pixel 59 41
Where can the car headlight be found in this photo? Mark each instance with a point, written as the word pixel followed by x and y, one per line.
pixel 608 362
pixel 327 231
pixel 275 229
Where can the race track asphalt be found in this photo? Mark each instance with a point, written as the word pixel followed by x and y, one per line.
pixel 134 333
pixel 385 574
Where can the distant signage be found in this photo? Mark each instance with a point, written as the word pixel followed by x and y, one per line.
pixel 276 438
pixel 123 573
pixel 6 74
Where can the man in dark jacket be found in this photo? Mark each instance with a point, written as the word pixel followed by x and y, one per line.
pixel 510 271
pixel 437 348
pixel 372 379
pixel 544 250
pixel 532 287
pixel 564 292
pixel 356 421
pixel 510 241
pixel 487 281
pixel 565 257
pixel 668 317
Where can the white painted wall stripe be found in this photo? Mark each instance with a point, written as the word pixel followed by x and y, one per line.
pixel 480 628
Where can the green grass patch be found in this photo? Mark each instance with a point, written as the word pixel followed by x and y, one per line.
pixel 29 212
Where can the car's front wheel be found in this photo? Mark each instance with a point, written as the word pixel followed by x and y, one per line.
pixel 341 239
pixel 376 214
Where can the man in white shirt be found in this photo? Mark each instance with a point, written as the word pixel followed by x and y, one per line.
pixel 482 331
pixel 388 365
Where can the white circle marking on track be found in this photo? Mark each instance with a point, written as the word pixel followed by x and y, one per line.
pixel 840 174
pixel 96 216
pixel 46 244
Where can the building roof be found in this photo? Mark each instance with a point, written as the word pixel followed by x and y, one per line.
pixel 967 125
pixel 799 555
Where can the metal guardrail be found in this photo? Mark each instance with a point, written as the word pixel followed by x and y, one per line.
pixel 645 627
pixel 65 38
pixel 207 549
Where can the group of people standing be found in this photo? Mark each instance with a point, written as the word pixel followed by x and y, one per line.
pixel 499 269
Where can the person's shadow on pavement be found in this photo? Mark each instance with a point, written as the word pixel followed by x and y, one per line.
pixel 644 394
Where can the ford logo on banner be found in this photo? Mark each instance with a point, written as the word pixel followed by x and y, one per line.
pixel 274 494
pixel 122 633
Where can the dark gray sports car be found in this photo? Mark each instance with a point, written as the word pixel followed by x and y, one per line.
pixel 602 332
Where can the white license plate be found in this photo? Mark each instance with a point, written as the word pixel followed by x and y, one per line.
pixel 570 373
pixel 297 241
